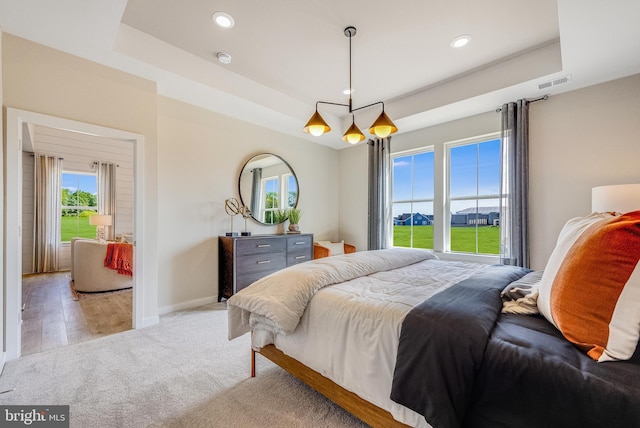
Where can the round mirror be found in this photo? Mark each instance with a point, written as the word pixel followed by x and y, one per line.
pixel 268 186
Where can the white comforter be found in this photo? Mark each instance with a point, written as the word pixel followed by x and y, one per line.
pixel 349 331
pixel 277 302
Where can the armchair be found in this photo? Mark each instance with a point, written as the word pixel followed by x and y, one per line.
pixel 325 249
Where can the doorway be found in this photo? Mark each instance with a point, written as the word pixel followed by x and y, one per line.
pixel 18 122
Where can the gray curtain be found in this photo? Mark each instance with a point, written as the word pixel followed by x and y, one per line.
pixel 379 233
pixel 514 210
pixel 107 196
pixel 47 212
pixel 256 189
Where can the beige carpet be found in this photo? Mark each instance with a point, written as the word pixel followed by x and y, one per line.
pixel 181 373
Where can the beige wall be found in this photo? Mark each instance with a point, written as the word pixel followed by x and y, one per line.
pixel 578 140
pixel 200 155
pixel 2 314
pixel 43 80
pixel 197 155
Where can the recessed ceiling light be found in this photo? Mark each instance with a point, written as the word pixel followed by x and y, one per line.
pixel 223 19
pixel 460 41
pixel 224 57
pixel 348 91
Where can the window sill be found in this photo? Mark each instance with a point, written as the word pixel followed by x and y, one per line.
pixel 465 257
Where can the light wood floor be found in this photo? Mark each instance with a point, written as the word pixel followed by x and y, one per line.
pixel 51 318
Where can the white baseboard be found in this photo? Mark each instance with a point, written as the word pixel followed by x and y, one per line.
pixel 149 321
pixel 187 305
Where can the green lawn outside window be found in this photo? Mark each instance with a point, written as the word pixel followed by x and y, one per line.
pixel 463 239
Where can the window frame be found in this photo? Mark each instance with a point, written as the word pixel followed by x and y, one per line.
pixel 441 202
pixel 447 194
pixel 412 201
pixel 263 205
pixel 76 207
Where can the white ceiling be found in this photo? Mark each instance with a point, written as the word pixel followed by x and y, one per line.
pixel 287 54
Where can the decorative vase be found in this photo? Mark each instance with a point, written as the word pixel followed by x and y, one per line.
pixel 294 228
pixel 280 229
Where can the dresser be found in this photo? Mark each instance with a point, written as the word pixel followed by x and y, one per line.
pixel 245 259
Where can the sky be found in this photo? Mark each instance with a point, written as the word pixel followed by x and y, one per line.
pixel 73 181
pixel 475 169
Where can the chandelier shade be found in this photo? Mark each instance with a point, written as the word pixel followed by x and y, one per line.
pixel 316 126
pixel 354 134
pixel 382 127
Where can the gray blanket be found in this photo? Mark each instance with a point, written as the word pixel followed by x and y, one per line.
pixel 442 343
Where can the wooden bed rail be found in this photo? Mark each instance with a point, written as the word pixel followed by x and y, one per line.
pixel 352 403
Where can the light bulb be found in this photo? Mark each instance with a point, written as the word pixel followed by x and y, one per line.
pixel 223 19
pixel 353 138
pixel 382 131
pixel 316 130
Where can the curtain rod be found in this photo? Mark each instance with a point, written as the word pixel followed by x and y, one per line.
pixel 95 163
pixel 34 153
pixel 542 98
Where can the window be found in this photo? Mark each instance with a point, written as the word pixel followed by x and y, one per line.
pixel 79 201
pixel 291 190
pixel 474 197
pixel 271 203
pixel 280 193
pixel 447 197
pixel 412 199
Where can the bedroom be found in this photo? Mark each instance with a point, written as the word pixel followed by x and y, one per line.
pixel 579 138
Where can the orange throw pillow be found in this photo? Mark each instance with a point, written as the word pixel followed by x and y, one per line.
pixel 593 297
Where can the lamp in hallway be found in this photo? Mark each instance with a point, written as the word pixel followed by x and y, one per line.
pixel 100 221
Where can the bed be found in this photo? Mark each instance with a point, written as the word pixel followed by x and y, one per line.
pixel 398 338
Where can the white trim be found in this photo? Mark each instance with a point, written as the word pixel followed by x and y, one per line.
pixel 187 305
pixel 446 213
pixel 469 257
pixel 12 259
pixel 149 321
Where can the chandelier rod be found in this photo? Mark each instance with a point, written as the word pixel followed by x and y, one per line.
pixel 381 127
pixel 350 32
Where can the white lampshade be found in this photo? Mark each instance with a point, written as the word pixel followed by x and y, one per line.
pixel 100 220
pixel 620 198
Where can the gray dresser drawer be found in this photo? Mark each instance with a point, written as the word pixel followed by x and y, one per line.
pixel 293 258
pixel 247 279
pixel 261 262
pixel 259 246
pixel 299 242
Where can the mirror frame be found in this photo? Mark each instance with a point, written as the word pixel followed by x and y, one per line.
pixel 244 167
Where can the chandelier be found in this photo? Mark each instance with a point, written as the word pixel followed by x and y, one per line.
pixel 382 127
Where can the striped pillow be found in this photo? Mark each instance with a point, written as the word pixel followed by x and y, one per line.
pixel 590 289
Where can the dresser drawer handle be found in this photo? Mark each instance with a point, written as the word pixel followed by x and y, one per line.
pixel 301 257
pixel 264 245
pixel 300 243
pixel 261 262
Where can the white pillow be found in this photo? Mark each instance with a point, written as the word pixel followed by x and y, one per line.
pixel 335 248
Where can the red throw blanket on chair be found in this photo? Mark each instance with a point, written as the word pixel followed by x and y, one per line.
pixel 120 257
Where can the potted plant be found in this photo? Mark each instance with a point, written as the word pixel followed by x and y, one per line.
pixel 279 217
pixel 294 217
